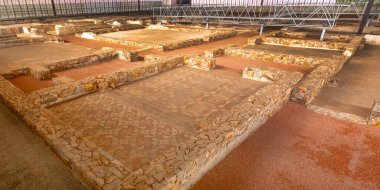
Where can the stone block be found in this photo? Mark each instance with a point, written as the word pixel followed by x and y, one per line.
pixel 62 80
pixel 152 57
pixel 200 62
pixel 130 56
pixel 40 72
pixel 258 74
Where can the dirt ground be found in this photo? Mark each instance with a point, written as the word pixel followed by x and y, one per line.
pixel 358 85
pixel 299 149
pixel 26 162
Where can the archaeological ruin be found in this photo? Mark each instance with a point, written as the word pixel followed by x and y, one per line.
pixel 200 95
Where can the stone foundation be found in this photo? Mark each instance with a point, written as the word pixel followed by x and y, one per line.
pixel 182 166
pixel 44 70
pixel 152 57
pixel 130 56
pixel 199 62
pixel 310 86
pixel 213 36
pixel 259 74
pixel 217 51
pixel 62 80
pixel 296 60
pixel 63 92
pixel 355 44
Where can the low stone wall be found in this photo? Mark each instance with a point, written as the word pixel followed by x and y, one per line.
pixel 217 51
pixel 372 39
pixel 213 36
pixel 152 57
pixel 296 60
pixel 200 62
pixel 43 70
pixel 72 28
pixel 130 56
pixel 12 42
pixel 92 165
pixel 374 118
pixel 337 114
pixel 355 44
pixel 62 80
pixel 181 166
pixel 59 93
pixel 310 86
pixel 304 43
pixel 260 74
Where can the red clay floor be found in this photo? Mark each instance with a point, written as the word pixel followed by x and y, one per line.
pixel 299 149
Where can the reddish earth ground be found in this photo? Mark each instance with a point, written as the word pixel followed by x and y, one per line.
pixel 28 84
pixel 199 49
pixel 299 149
pixel 83 72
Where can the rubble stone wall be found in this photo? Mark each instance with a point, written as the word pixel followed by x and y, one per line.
pixel 66 91
pixel 181 166
pixel 304 43
pixel 217 51
pixel 213 36
pixel 91 164
pixel 296 60
pixel 310 86
pixel 200 62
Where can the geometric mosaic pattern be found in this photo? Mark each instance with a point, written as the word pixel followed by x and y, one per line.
pixel 142 119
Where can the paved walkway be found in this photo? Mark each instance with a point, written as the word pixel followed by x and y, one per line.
pixel 25 161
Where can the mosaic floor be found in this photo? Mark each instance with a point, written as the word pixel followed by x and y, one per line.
pixel 138 121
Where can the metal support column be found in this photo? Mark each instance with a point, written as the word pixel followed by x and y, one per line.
pixel 138 4
pixel 365 16
pixel 53 7
pixel 261 29
pixel 323 34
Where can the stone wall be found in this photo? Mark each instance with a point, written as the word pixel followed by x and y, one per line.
pixel 12 42
pixel 92 165
pixel 289 59
pixel 211 37
pixel 200 62
pixel 182 166
pixel 355 44
pixel 259 74
pixel 310 86
pixel 304 43
pixel 66 91
pixel 43 70
pixel 217 51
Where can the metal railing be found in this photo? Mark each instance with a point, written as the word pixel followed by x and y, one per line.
pixel 316 13
pixel 28 9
